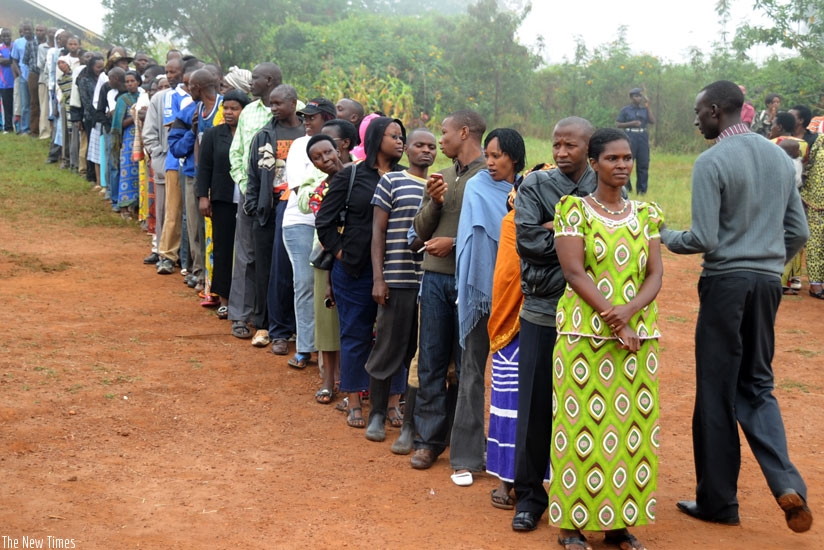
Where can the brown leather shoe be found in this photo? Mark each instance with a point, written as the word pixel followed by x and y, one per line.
pixel 280 347
pixel 423 459
pixel 796 512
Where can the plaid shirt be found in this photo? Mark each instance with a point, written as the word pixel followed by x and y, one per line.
pixel 253 117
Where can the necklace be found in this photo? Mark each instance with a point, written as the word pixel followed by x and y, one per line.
pixel 607 210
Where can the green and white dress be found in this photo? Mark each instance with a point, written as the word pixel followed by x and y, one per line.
pixel 605 431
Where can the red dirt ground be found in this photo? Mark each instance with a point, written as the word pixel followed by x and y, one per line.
pixel 130 417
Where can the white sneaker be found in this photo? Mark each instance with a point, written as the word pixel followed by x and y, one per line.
pixel 795 283
pixel 261 338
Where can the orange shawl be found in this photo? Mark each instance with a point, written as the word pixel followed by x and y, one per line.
pixel 504 322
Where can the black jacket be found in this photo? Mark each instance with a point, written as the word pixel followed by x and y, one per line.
pixel 542 280
pixel 213 179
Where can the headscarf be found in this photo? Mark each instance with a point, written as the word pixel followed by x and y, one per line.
pixel 374 136
pixel 239 79
pixel 358 152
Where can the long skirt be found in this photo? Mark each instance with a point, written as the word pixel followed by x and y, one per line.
pixel 503 412
pixel 605 433
pixel 128 185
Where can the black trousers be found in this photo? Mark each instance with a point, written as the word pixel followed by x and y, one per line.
pixel 7 96
pixel 734 345
pixel 533 433
pixel 262 238
pixel 224 219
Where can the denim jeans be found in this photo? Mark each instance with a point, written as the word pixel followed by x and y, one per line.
pixel 281 296
pixel 21 87
pixel 298 242
pixel 357 311
pixel 438 344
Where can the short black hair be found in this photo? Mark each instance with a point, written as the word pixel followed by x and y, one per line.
pixel 786 120
pixel 472 120
pixel 236 95
pixel 601 137
pixel 346 129
pixel 804 113
pixel 511 143
pixel 770 98
pixel 317 138
pixel 726 95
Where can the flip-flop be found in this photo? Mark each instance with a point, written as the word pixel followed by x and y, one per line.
pixel 502 501
pixel 574 542
pixel 623 540
pixel 299 360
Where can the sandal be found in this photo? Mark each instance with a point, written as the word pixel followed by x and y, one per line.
pixel 396 419
pixel 819 294
pixel 623 539
pixel 501 500
pixel 343 406
pixel 241 330
pixel 574 542
pixel 300 360
pixel 355 418
pixel 223 312
pixel 324 396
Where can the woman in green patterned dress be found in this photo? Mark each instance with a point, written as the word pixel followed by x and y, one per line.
pixel 605 366
pixel 813 196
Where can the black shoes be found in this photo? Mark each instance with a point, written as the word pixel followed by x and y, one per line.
pixel 151 259
pixel 525 521
pixel 690 508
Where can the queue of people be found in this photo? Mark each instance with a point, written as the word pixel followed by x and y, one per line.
pixel 301 222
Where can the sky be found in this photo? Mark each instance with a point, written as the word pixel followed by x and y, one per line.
pixel 666 30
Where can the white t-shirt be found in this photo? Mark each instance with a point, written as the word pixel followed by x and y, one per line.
pixel 298 168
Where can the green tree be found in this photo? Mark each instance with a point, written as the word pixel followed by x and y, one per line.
pixel 226 32
pixel 794 24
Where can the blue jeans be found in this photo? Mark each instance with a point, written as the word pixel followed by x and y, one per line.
pixel 357 311
pixel 22 89
pixel 438 344
pixel 298 242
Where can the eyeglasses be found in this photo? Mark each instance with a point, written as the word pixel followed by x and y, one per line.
pixel 395 137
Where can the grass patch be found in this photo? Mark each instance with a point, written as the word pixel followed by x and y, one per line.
pixel 795 385
pixel 677 319
pixel 36 192
pixel 806 353
pixel 670 179
pixel 20 261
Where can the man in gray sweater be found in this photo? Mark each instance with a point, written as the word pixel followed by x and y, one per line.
pixel 747 220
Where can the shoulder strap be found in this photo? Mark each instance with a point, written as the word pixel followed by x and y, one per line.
pixel 342 218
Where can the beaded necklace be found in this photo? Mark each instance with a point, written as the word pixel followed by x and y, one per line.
pixel 607 210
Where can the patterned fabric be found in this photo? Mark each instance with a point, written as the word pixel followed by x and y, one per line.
pixel 813 196
pixel 503 413
pixel 604 458
pixel 128 186
pixel 616 259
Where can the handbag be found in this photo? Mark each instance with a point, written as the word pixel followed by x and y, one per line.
pixel 320 258
pixel 324 259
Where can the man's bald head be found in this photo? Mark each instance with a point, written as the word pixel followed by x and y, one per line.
pixel 265 78
pixel 203 82
pixel 583 124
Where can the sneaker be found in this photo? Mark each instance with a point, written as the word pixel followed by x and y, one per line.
pixel 795 283
pixel 261 338
pixel 165 266
pixel 152 258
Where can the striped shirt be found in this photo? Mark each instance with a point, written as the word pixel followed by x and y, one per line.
pixel 400 195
